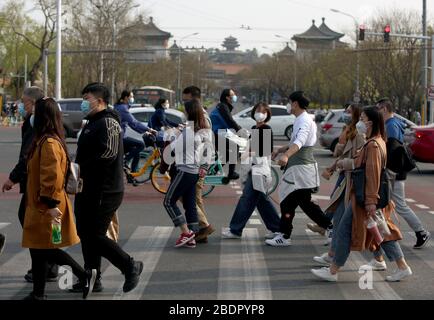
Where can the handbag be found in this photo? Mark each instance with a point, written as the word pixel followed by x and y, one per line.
pixel 358 177
pixel 73 182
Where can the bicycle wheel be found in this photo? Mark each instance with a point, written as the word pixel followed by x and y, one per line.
pixel 147 175
pixel 160 182
pixel 275 180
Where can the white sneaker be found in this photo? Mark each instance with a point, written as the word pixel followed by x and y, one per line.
pixel 324 274
pixel 278 241
pixel 324 259
pixel 227 234
pixel 399 274
pixel 271 235
pixel 316 228
pixel 374 265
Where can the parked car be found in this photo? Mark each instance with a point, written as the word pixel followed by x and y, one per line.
pixel 423 144
pixel 72 116
pixel 333 124
pixel 144 114
pixel 331 128
pixel 281 122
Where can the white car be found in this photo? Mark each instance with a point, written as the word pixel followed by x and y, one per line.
pixel 144 114
pixel 281 122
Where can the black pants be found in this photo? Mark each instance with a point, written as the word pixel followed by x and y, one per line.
pixel 41 258
pixel 93 215
pixel 231 147
pixel 302 198
pixel 53 268
pixel 132 149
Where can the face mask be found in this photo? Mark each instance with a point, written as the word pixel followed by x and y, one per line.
pixel 289 108
pixel 347 118
pixel 85 107
pixel 260 117
pixel 32 120
pixel 166 106
pixel 131 101
pixel 21 110
pixel 361 127
pixel 234 99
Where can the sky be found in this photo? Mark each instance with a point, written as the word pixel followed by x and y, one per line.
pixel 215 20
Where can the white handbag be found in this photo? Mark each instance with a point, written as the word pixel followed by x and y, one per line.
pixel 74 184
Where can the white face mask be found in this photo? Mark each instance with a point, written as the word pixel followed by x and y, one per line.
pixel 361 127
pixel 289 108
pixel 260 117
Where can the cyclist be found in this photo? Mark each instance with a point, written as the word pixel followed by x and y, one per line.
pixel 132 147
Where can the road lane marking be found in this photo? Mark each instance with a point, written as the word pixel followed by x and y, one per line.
pixel 410 200
pixel 255 213
pixel 255 221
pixel 319 197
pixel 4 225
pixel 239 192
pixel 12 276
pixel 432 212
pixel 246 278
pixel 146 244
pixel 422 206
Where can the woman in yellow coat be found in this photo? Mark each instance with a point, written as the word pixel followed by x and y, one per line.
pixel 47 202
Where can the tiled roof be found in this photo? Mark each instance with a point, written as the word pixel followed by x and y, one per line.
pixel 314 33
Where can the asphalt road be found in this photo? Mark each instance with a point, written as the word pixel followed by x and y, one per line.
pixel 221 269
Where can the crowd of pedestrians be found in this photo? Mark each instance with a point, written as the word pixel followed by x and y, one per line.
pixel 371 141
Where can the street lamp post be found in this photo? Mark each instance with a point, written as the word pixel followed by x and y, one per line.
pixel 59 51
pixel 357 93
pixel 295 59
pixel 178 89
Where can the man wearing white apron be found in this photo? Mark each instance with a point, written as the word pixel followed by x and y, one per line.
pixel 301 177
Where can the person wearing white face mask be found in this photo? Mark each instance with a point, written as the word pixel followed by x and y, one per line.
pixel 132 147
pixel 19 173
pixel 251 197
pixel 222 119
pixel 159 119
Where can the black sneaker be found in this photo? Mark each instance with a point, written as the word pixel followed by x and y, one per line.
pixel 132 277
pixel 79 286
pixel 233 176
pixel 90 282
pixel 422 239
pixel 50 277
pixel 33 297
pixel 2 242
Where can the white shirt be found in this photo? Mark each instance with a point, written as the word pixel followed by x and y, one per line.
pixel 304 131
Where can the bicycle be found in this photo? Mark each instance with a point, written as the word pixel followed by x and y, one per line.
pixel 215 177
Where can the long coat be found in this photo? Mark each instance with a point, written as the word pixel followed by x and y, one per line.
pixel 46 178
pixel 361 239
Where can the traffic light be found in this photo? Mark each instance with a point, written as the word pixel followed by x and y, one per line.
pixel 386 33
pixel 362 32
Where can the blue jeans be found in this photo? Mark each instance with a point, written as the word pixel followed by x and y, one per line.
pixel 343 237
pixel 183 185
pixel 337 217
pixel 132 149
pixel 250 199
pixel 392 249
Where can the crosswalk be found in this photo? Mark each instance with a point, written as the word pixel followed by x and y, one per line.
pixel 241 269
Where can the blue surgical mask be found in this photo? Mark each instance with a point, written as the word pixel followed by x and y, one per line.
pixel 32 120
pixel 234 99
pixel 22 110
pixel 131 101
pixel 85 107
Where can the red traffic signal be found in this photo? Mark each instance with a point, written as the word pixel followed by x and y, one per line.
pixel 386 33
pixel 362 32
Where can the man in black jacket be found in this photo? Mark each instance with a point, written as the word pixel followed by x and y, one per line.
pixel 19 173
pixel 100 156
pixel 225 107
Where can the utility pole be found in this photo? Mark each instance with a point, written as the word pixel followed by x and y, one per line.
pixel 425 65
pixel 59 51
